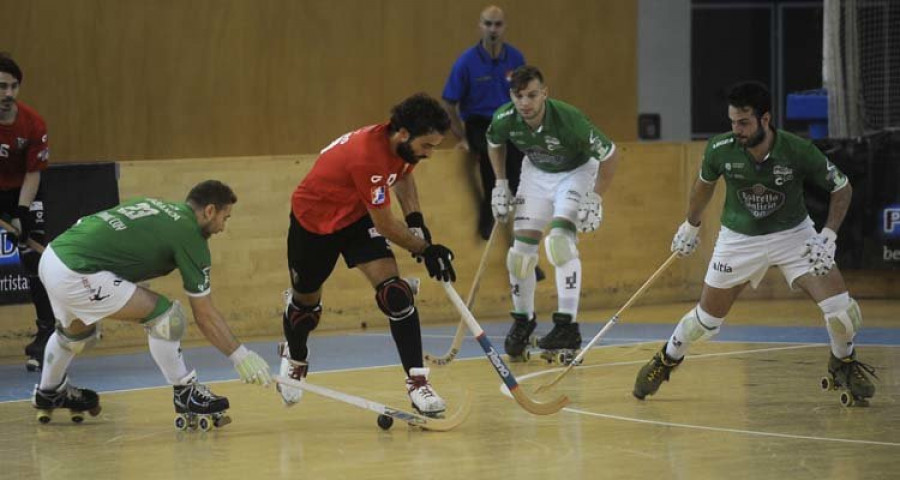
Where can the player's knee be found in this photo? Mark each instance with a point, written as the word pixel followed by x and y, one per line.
pixel 519 262
pixel 842 314
pixel 302 318
pixel 167 322
pixel 395 298
pixel 78 342
pixel 698 325
pixel 561 246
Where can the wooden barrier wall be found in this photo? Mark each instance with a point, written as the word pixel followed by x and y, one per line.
pixel 641 213
pixel 137 79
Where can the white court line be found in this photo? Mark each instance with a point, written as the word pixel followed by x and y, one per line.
pixel 505 391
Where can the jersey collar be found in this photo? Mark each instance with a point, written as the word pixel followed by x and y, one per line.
pixel 486 56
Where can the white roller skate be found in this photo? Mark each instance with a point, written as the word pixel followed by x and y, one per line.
pixel 292 369
pixel 424 399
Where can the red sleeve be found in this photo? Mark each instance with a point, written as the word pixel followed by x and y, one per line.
pixel 38 154
pixel 371 182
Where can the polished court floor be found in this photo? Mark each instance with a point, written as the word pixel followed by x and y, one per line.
pixel 746 405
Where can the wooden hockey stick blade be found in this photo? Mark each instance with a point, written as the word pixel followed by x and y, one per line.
pixel 415 419
pixel 37 247
pixel 522 398
pixel 612 321
pixel 470 300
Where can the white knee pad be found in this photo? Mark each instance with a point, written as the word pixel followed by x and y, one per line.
pixel 520 264
pixel 560 246
pixel 78 343
pixel 698 326
pixel 170 325
pixel 846 321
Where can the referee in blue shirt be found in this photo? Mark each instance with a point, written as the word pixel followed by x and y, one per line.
pixel 478 85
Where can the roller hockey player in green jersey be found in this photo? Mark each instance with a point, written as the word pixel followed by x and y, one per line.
pixel 765 224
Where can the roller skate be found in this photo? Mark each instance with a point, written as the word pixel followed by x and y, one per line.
pixel 290 368
pixel 563 343
pixel 519 337
pixel 35 349
pixel 424 399
pixel 77 400
pixel 852 378
pixel 198 408
pixel 656 371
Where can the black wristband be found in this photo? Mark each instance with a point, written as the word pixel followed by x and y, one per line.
pixel 415 219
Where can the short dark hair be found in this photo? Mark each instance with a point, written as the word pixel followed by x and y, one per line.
pixel 750 94
pixel 522 76
pixel 211 192
pixel 8 65
pixel 419 115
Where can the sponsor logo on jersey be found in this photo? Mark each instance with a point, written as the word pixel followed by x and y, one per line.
pixel 723 142
pixel 890 224
pixel 834 176
pixel 782 174
pixel 204 286
pixel 552 143
pixel 722 267
pixel 506 113
pixel 373 233
pixel 378 195
pixel 376 178
pixel 760 200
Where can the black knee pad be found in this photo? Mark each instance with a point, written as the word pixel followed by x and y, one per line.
pixel 395 298
pixel 303 318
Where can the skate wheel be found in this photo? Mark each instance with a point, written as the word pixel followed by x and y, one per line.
pixel 533 341
pixel 95 411
pixel 846 399
pixel 221 421
pixel 205 423
pixel 77 417
pixel 181 423
pixel 827 383
pixel 385 422
pixel 44 416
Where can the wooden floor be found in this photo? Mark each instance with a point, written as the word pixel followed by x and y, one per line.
pixel 732 411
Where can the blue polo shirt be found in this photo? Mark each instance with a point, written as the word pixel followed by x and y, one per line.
pixel 480 83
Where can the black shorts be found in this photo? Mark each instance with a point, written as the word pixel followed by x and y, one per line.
pixel 312 257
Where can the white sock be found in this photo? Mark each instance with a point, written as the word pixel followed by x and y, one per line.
pixel 167 354
pixel 56 362
pixel 568 287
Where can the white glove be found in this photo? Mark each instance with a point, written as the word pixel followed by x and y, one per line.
pixel 819 249
pixel 251 367
pixel 590 212
pixel 501 199
pixel 686 241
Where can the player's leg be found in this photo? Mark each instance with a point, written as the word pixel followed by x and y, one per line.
pixel 30 259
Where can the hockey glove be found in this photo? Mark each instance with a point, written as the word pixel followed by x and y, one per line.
pixel 590 212
pixel 819 250
pixel 501 199
pixel 686 241
pixel 438 261
pixel 251 367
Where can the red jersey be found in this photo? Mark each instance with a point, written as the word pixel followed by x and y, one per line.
pixel 23 147
pixel 351 175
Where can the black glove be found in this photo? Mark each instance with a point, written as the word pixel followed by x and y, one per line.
pixel 438 261
pixel 23 222
pixel 416 223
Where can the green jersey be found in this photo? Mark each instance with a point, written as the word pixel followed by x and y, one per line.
pixel 565 140
pixel 140 239
pixel 767 197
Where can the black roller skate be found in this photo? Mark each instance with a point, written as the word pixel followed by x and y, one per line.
pixel 852 377
pixel 197 407
pixel 77 400
pixel 35 349
pixel 518 337
pixel 563 343
pixel 656 371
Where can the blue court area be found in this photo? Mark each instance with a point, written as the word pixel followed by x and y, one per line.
pixel 361 350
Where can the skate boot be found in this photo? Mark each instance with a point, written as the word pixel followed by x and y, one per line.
pixel 292 369
pixel 35 349
pixel 563 343
pixel 852 377
pixel 197 407
pixel 654 373
pixel 518 337
pixel 77 400
pixel 424 399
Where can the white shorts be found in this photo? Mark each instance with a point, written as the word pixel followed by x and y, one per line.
pixel 740 258
pixel 545 195
pixel 89 297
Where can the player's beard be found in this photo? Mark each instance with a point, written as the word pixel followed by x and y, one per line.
pixel 405 151
pixel 757 137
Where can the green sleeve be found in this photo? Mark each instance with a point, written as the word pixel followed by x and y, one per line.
pixel 498 130
pixel 193 260
pixel 710 169
pixel 595 142
pixel 820 171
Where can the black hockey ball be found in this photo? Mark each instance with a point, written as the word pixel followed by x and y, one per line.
pixel 385 422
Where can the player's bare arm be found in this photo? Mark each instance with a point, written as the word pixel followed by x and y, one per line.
pixel 701 194
pixel 407 194
pixel 838 206
pixel 212 324
pixel 396 231
pixel 456 124
pixel 606 173
pixel 29 188
pixel 498 160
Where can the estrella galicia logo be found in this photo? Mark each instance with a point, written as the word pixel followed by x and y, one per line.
pixel 9 254
pixel 890 221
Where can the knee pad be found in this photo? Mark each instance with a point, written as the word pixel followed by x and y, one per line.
pixel 395 298
pixel 846 321
pixel 698 325
pixel 304 318
pixel 169 325
pixel 560 246
pixel 78 343
pixel 520 264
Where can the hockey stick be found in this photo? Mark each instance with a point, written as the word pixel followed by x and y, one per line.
pixel 470 300
pixel 37 247
pixel 418 420
pixel 537 408
pixel 612 321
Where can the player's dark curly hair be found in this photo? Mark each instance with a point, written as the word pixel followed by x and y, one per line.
pixel 750 94
pixel 523 75
pixel 419 115
pixel 8 65
pixel 211 192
